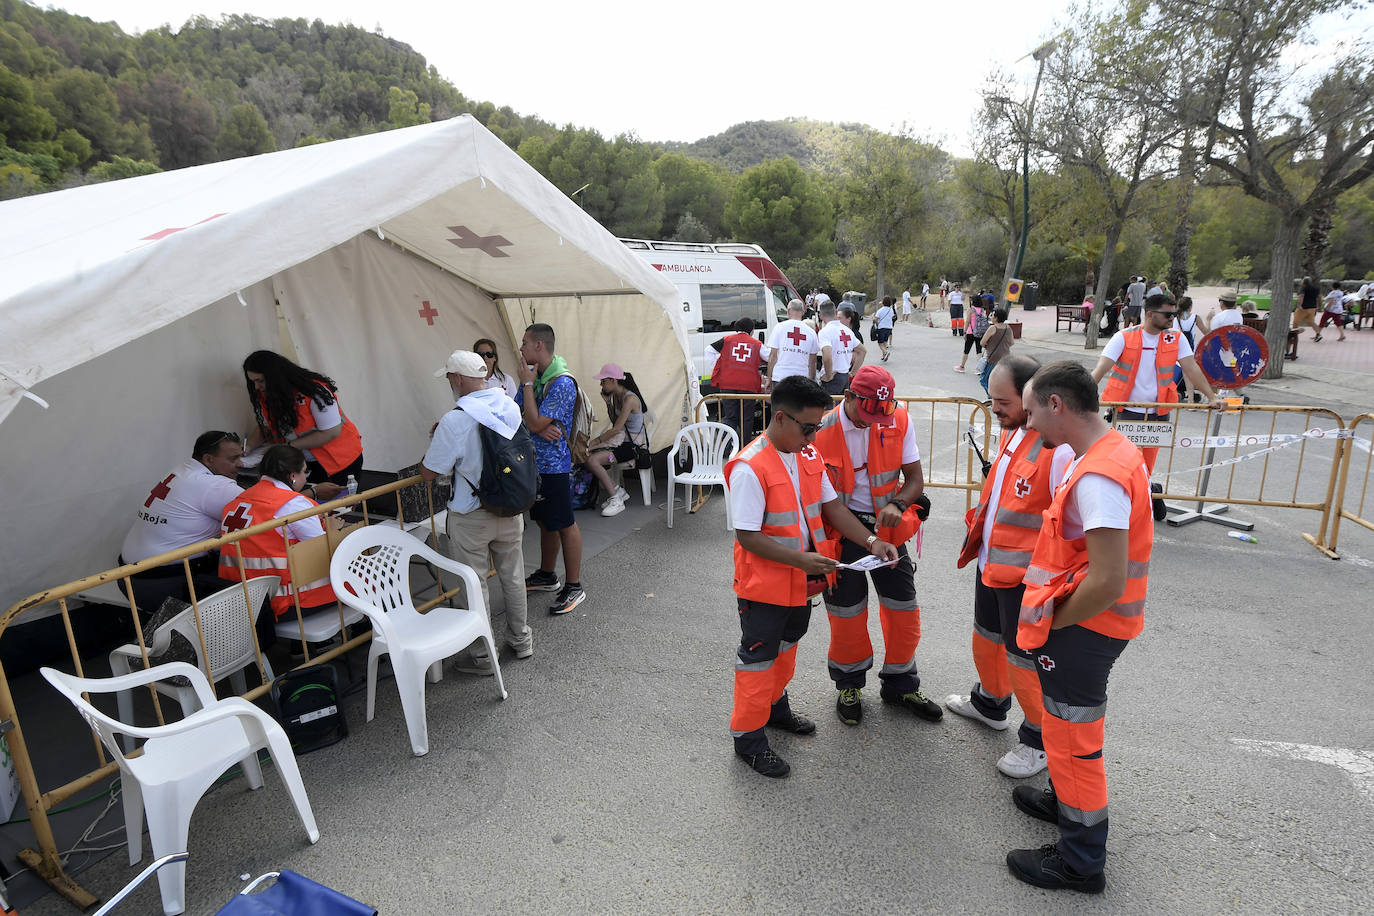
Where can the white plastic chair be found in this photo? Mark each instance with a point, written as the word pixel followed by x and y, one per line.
pixel 228 640
pixel 708 445
pixel 370 572
pixel 181 761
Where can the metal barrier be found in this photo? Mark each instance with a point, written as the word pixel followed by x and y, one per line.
pixel 948 421
pixel 1253 477
pixel 1354 446
pixel 46 861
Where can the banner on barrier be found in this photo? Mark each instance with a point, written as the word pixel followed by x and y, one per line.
pixel 1147 433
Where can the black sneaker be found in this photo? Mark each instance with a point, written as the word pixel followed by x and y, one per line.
pixel 540 581
pixel 570 597
pixel 848 706
pixel 796 723
pixel 917 702
pixel 1044 867
pixel 767 763
pixel 1160 510
pixel 1041 804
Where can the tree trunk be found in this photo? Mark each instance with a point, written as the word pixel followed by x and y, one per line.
pixel 880 262
pixel 1318 243
pixel 1284 258
pixel 1183 231
pixel 1104 283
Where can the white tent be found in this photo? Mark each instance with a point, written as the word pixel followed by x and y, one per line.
pixel 128 307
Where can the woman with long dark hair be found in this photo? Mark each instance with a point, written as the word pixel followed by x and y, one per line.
pixel 625 408
pixel 296 406
pixel 486 348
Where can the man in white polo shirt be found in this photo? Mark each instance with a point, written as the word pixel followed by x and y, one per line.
pixel 792 349
pixel 841 352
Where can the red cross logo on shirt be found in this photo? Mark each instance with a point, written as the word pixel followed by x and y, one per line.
pixel 1023 487
pixel 845 338
pixel 796 336
pixel 1046 662
pixel 242 518
pixel 740 352
pixel 161 491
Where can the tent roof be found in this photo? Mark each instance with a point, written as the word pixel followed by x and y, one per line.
pixel 89 269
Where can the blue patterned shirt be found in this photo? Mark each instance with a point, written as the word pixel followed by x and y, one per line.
pixel 559 402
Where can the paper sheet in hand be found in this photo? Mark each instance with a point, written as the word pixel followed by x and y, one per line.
pixel 864 564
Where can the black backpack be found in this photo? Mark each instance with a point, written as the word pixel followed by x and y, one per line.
pixel 510 479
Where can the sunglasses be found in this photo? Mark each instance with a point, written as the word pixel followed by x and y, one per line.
pixel 486 355
pixel 225 437
pixel 878 405
pixel 807 429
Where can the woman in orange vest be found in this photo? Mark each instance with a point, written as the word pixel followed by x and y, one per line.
pixel 294 405
pixel 264 554
pixel 1084 600
pixel 781 503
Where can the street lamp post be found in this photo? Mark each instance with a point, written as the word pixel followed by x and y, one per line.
pixel 1040 54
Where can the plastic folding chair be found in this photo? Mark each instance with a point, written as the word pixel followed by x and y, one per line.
pixel 370 572
pixel 181 761
pixel 228 624
pixel 708 445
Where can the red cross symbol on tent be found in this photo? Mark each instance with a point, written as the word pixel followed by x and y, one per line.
pixel 163 233
pixel 161 491
pixel 491 244
pixel 428 313
pixel 796 336
pixel 740 352
pixel 1046 662
pixel 242 518
pixel 845 338
pixel 1023 487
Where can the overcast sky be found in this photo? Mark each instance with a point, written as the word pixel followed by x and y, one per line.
pixel 684 71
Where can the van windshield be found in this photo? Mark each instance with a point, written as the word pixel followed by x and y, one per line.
pixel 722 304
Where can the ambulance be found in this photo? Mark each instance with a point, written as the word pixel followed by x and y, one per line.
pixel 719 284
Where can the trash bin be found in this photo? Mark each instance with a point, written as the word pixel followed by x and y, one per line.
pixel 1030 296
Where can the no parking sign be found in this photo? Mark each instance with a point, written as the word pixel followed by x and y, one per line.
pixel 1233 356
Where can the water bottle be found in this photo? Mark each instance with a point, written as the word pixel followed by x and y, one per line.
pixel 352 485
pixel 1242 536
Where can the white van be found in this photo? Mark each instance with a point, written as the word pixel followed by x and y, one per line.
pixel 719 284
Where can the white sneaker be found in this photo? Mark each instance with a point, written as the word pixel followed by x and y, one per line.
pixel 962 704
pixel 621 495
pixel 614 506
pixel 1022 761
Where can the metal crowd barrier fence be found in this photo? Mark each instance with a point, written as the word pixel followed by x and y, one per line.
pixel 1247 455
pixel 942 427
pixel 1355 446
pixel 46 861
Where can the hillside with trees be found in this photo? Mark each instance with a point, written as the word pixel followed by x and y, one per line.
pixel 1136 167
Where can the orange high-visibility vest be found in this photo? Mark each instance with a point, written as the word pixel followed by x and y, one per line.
pixel 264 553
pixel 1059 564
pixel 336 454
pixel 1121 377
pixel 1024 497
pixel 757 579
pixel 884 469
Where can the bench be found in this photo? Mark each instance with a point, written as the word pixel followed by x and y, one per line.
pixel 1261 323
pixel 1068 314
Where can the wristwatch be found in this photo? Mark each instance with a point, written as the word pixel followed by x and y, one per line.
pixel 901 506
pixel 872 538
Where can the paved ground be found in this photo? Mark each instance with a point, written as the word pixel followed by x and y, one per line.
pixel 1240 749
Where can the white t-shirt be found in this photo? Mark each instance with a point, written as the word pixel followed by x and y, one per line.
pixel 925 289
pixel 184 507
pixel 747 500
pixel 842 344
pixel 796 346
pixel 884 316
pixel 457 448
pixel 506 383
pixel 1225 319
pixel 906 301
pixel 326 417
pixel 956 298
pixel 856 440
pixel 1095 502
pixel 1063 455
pixel 1335 302
pixel 1145 387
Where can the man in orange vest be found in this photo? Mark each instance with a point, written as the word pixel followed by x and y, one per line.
pixel 782 504
pixel 1084 600
pixel 1002 530
pixel 869 448
pixel 737 372
pixel 1138 364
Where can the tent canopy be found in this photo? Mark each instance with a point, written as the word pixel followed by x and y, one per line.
pixel 128 307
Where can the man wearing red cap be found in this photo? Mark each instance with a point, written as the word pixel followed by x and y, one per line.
pixel 869 448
